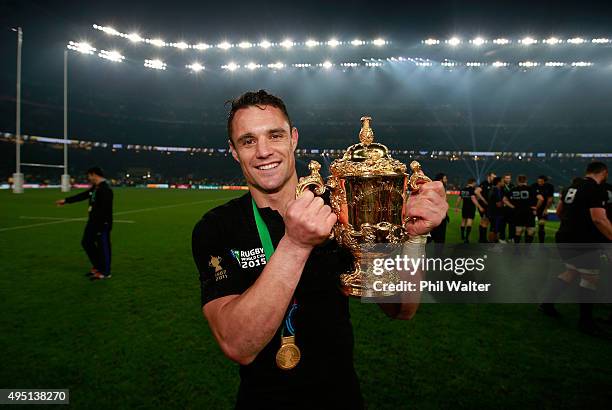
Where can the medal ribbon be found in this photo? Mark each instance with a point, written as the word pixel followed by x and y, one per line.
pixel 266 243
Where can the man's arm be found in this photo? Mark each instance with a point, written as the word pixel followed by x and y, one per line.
pixel 559 210
pixel 507 202
pixel 429 207
pixel 601 221
pixel 478 192
pixel 476 203
pixel 81 196
pixel 244 324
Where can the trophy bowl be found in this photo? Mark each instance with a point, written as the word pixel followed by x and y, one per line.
pixel 368 189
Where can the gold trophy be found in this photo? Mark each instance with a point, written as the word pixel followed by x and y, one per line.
pixel 368 190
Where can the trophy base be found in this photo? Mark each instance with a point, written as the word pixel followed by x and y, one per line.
pixel 351 284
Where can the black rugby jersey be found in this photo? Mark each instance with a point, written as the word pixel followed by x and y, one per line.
pixel 229 255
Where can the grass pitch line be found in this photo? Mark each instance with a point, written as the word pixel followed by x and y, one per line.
pixel 172 206
pixel 64 220
pixel 51 218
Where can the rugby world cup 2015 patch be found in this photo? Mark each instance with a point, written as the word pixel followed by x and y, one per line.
pixel 251 258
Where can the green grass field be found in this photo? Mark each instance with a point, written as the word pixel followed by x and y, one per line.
pixel 139 340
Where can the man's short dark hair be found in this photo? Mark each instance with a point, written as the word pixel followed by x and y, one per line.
pixel 496 181
pixel 521 179
pixel 543 178
pixel 257 99
pixel 96 171
pixel 596 167
pixel 471 180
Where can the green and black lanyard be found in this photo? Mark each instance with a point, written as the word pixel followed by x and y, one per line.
pixel 266 243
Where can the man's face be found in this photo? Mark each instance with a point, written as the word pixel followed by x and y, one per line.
pixel 507 179
pixel 91 178
pixel 491 176
pixel 540 181
pixel 263 144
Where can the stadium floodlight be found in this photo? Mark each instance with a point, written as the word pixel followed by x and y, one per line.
pixel 478 41
pixel 474 64
pixel 379 42
pixel 287 43
pixel 311 43
pixel 431 42
pixel 373 64
pixel 501 41
pixel 81 47
pixel 447 63
pixel 333 43
pixel 601 40
pixel 554 64
pixel 134 37
pixel 327 64
pixel 265 44
pixel 357 42
pixel 350 64
pixel 181 45
pixel 245 44
pixel 276 66
pixel 195 67
pixel 231 66
pixel 224 45
pixel 155 64
pixel 576 40
pixel 498 64
pixel 552 41
pixel 108 30
pixel 426 63
pixel 528 64
pixel 111 55
pixel 582 64
pixel 302 65
pixel 252 66
pixel 453 41
pixel 527 41
pixel 202 46
pixel 158 42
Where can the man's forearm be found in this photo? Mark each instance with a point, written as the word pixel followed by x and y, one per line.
pixel 604 226
pixel 249 321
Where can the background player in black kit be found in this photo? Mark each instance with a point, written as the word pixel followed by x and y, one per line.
pixel 583 221
pixel 495 210
pixel 508 212
pixel 468 208
pixel 547 190
pixel 523 201
pixel 482 194
pixel 96 238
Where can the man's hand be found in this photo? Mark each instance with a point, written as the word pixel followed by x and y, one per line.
pixel 60 202
pixel 428 206
pixel 308 221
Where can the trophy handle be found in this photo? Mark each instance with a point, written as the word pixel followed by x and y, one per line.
pixel 417 178
pixel 314 179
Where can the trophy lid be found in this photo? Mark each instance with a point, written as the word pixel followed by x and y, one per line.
pixel 367 158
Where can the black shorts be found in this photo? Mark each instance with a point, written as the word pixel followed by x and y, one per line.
pixel 468 213
pixel 526 219
pixel 582 259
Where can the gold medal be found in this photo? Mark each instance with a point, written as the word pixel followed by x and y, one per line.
pixel 288 355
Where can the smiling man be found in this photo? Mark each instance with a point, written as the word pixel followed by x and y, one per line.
pixel 269 276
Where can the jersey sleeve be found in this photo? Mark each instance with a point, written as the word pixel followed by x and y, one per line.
pixel 81 196
pixel 596 196
pixel 219 272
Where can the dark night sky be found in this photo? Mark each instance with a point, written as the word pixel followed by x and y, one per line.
pixel 129 102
